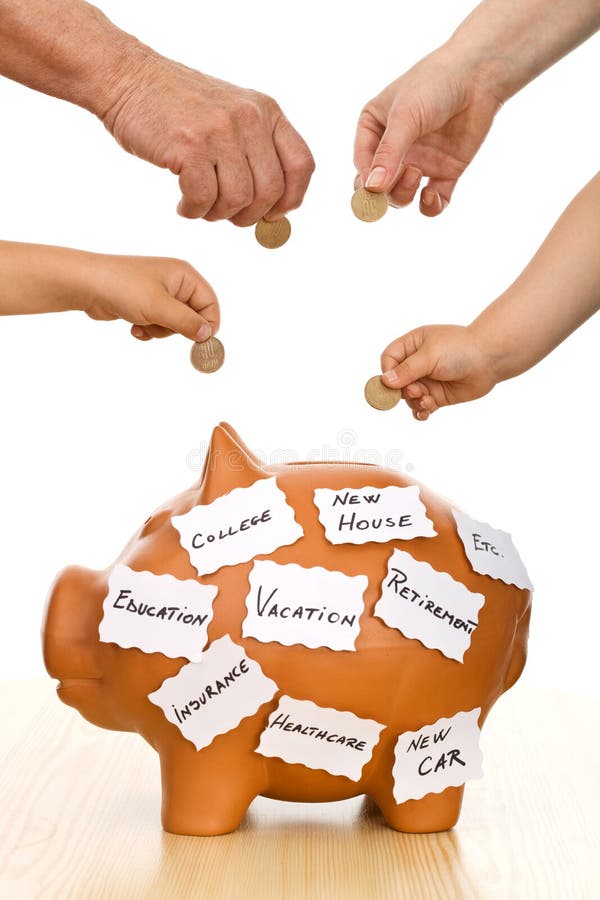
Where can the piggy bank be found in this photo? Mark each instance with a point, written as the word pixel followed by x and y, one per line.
pixel 305 632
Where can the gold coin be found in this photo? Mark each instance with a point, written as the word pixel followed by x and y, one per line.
pixel 272 234
pixel 379 395
pixel 368 206
pixel 207 356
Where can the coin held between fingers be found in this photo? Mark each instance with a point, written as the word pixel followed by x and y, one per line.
pixel 368 206
pixel 380 396
pixel 272 234
pixel 207 356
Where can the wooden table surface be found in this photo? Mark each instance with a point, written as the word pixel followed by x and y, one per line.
pixel 79 818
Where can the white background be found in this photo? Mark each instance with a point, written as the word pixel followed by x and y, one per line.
pixel 98 429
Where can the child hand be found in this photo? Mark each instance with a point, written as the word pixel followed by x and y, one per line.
pixel 437 365
pixel 159 296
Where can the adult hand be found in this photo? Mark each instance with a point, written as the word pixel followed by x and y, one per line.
pixel 428 123
pixel 236 154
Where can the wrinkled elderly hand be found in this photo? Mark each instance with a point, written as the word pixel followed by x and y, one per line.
pixel 236 154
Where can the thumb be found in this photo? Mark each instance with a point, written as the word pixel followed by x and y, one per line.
pixel 177 316
pixel 402 130
pixel 400 374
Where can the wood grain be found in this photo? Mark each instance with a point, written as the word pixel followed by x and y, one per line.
pixel 79 818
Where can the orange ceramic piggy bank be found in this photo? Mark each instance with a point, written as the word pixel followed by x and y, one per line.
pixel 305 632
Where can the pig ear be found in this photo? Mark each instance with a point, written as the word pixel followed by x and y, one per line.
pixel 228 465
pixel 235 437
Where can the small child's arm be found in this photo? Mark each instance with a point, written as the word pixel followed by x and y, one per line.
pixel 438 365
pixel 159 296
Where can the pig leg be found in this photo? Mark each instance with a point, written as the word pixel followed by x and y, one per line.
pixel 434 812
pixel 205 796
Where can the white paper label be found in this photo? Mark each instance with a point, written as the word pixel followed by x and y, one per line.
pixel 491 551
pixel 212 696
pixel 445 754
pixel 428 605
pixel 360 515
pixel 314 607
pixel 157 613
pixel 238 526
pixel 299 731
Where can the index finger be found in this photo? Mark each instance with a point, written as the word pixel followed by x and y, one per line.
pixel 195 291
pixel 175 315
pixel 297 164
pixel 394 354
pixel 368 135
pixel 204 300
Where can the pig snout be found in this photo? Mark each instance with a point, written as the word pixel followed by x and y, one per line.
pixel 70 627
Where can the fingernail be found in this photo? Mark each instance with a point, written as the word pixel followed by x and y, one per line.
pixel 428 198
pixel 376 178
pixel 410 177
pixel 357 182
pixel 137 331
pixel 421 416
pixel 203 333
pixel 391 376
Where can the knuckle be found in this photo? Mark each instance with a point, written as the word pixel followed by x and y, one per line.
pixel 238 198
pixel 272 191
pixel 169 264
pixel 402 196
pixel 196 189
pixel 410 116
pixel 368 113
pixel 182 269
pixel 385 150
pixel 301 163
pixel 222 124
pixel 150 310
pixel 248 113
pixel 243 220
pixel 190 137
pixel 199 194
pixel 188 212
pixel 267 102
pixel 197 203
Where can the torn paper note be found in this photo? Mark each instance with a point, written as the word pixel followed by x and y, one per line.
pixel 299 731
pixel 359 515
pixel 157 613
pixel 445 754
pixel 212 696
pixel 236 527
pixel 294 605
pixel 428 605
pixel 491 551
